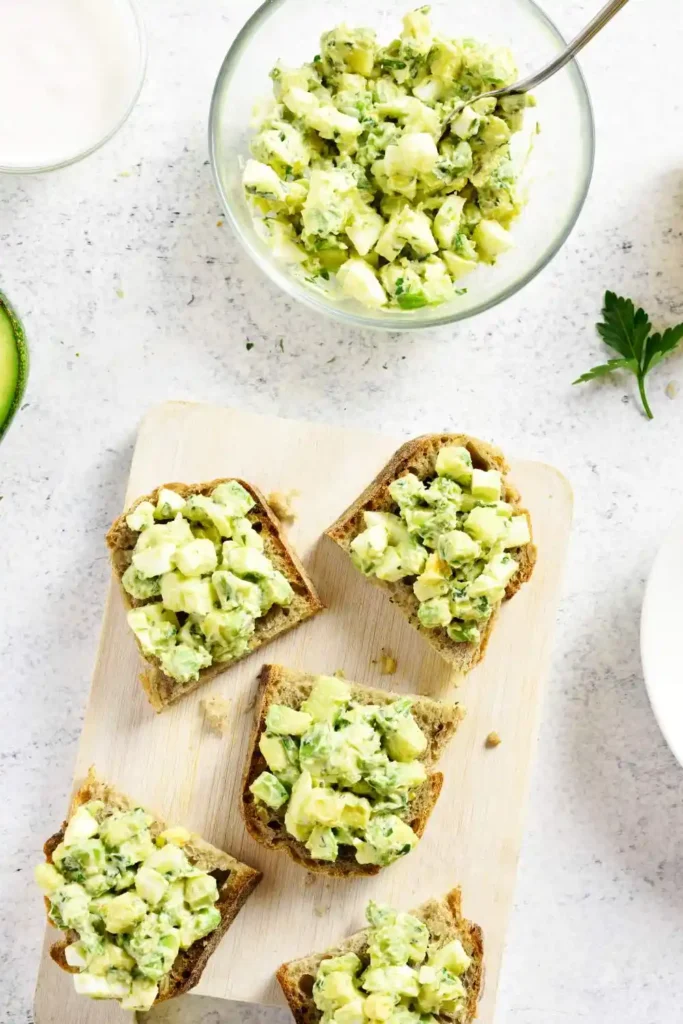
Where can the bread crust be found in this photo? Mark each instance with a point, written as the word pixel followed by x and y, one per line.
pixel 282 685
pixel 160 688
pixel 236 881
pixel 445 922
pixel 419 456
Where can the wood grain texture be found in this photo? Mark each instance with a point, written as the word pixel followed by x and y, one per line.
pixel 174 764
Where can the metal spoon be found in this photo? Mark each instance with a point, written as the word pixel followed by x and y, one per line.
pixel 570 51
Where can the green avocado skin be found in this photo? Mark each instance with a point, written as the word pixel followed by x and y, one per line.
pixel 9 403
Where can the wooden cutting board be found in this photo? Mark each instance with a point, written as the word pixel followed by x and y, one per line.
pixel 172 763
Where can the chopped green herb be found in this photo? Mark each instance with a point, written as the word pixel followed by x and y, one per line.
pixel 411 301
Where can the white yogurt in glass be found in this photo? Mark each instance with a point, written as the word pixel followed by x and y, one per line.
pixel 70 71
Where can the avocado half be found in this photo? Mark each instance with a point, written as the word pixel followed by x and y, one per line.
pixel 13 363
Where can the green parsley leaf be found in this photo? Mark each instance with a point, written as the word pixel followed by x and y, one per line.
pixel 627 330
pixel 604 369
pixel 659 345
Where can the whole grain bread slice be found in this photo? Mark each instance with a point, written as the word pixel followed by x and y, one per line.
pixel 160 688
pixel 419 457
pixel 236 881
pixel 279 685
pixel 445 922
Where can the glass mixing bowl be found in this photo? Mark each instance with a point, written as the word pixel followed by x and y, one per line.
pixel 557 159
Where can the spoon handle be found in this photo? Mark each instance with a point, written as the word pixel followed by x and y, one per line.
pixel 578 43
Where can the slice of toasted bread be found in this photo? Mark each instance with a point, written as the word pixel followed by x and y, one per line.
pixel 445 922
pixel 161 689
pixel 285 686
pixel 236 881
pixel 419 457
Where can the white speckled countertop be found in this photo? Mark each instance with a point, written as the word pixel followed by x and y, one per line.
pixel 132 294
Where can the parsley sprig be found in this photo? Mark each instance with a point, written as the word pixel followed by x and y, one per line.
pixel 627 330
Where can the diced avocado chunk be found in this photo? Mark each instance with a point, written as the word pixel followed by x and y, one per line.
pixel 153 561
pixel 369 546
pixel 405 740
pixel 438 989
pixel 456 463
pixel 486 484
pixel 386 838
pixel 458 266
pixel 261 180
pixel 123 913
pixel 169 503
pixel 168 860
pixel 234 498
pixel 406 490
pixel 196 558
pixel 447 221
pixel 415 153
pixel 275 589
pixel 492 239
pixel 453 957
pixel 297 821
pixel 154 627
pixel 200 891
pixel 228 633
pixel 138 586
pixel 463 632
pixel 359 281
pixel 82 825
pixel 485 525
pixel 456 547
pixel 234 592
pixel 141 517
pixel 322 844
pixel 48 878
pixel 150 885
pixel 184 662
pixel 177 835
pixel 466 124
pixel 143 992
pixel 247 562
pixel 434 612
pixel 269 790
pixel 429 586
pixel 285 721
pixel 518 532
pixel 327 697
pixel 186 594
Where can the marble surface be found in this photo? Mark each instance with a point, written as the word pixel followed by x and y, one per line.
pixel 133 292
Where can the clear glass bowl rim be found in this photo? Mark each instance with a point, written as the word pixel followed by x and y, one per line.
pixel 142 43
pixel 391 322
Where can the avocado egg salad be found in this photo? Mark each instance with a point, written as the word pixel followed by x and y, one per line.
pixel 454 535
pixel 357 177
pixel 199 578
pixel 406 981
pixel 342 773
pixel 132 900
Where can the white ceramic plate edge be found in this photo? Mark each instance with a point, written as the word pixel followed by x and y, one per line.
pixel 661 637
